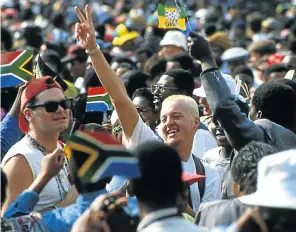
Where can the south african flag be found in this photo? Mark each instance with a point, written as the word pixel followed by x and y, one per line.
pixel 16 68
pixel 171 14
pixel 96 155
pixel 98 100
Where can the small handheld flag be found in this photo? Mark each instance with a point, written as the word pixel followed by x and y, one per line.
pixel 98 100
pixel 16 68
pixel 98 155
pixel 171 14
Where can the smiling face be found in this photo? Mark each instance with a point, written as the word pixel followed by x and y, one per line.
pixel 45 122
pixel 218 134
pixel 178 126
pixel 165 87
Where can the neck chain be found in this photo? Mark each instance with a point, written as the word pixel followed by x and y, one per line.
pixel 41 148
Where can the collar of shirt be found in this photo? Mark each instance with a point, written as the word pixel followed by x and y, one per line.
pixel 89 197
pixel 152 217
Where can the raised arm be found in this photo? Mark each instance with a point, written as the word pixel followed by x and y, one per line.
pixel 125 109
pixel 240 130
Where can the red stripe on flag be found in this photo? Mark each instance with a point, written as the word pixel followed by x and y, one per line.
pixel 96 91
pixel 8 57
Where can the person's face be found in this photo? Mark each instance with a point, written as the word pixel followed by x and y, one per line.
pixel 128 45
pixel 218 134
pixel 141 59
pixel 143 107
pixel 233 64
pixel 260 70
pixel 206 108
pixel 245 78
pixel 164 88
pixel 172 65
pixel 238 33
pixel 276 76
pixel 169 50
pixel 47 122
pixel 77 68
pixel 254 57
pixel 120 71
pixel 176 123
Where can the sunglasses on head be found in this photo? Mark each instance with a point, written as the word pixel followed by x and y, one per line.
pixel 52 106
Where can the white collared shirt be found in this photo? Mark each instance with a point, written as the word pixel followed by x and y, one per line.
pixel 142 133
pixel 164 220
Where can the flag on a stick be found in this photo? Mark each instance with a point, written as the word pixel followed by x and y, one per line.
pixel 171 14
pixel 98 100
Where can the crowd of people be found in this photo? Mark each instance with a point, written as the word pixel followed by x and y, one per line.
pixel 208 115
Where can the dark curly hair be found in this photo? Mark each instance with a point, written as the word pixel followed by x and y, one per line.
pixel 244 165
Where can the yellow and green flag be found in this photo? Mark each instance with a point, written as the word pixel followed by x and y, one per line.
pixel 171 14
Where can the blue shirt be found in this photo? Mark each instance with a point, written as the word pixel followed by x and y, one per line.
pixel 60 219
pixel 10 133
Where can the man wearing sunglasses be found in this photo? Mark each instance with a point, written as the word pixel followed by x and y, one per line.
pixel 43 115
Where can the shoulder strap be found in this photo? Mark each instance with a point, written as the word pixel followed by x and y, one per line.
pixel 200 170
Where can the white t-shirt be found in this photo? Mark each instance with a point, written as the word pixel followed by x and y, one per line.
pixel 202 142
pixel 50 195
pixel 143 133
pixel 220 164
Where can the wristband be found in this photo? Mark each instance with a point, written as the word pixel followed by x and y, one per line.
pixel 94 51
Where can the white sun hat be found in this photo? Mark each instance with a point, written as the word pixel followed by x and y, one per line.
pixel 276 186
pixel 200 92
pixel 174 38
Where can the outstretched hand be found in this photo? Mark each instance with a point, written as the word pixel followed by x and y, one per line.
pixel 199 47
pixel 85 31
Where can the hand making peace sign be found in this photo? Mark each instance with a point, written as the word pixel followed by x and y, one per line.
pixel 85 31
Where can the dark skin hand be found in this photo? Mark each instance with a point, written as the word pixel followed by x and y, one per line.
pixel 200 49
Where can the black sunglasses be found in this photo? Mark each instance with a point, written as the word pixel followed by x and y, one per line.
pixel 52 106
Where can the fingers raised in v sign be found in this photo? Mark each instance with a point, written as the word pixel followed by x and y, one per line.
pixel 80 15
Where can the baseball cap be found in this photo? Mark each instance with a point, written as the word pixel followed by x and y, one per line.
pixel 74 52
pixel 33 88
pixel 200 92
pixel 174 38
pixel 191 178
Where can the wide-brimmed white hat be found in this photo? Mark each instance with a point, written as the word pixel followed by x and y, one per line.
pixel 276 186
pixel 200 92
